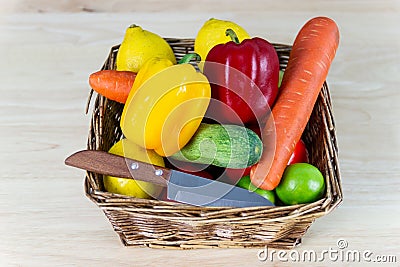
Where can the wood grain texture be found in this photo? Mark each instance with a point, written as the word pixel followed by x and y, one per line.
pixel 46 220
pixel 44 6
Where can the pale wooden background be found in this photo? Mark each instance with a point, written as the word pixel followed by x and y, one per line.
pixel 48 49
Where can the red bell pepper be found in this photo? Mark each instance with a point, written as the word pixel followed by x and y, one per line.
pixel 234 175
pixel 245 83
pixel 300 153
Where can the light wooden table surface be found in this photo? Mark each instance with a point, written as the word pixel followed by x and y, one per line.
pixel 48 49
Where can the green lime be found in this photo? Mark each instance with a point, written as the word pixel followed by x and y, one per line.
pixel 301 183
pixel 245 183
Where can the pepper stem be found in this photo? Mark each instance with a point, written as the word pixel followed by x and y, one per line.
pixel 188 57
pixel 232 34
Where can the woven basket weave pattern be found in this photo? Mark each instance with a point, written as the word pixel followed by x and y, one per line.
pixel 160 224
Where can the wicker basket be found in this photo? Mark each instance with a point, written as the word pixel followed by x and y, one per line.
pixel 160 224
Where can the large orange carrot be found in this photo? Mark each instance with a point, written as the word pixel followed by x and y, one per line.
pixel 312 53
pixel 113 84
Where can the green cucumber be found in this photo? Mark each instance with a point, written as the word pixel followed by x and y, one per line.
pixel 228 146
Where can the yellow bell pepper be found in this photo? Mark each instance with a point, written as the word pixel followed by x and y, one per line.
pixel 166 105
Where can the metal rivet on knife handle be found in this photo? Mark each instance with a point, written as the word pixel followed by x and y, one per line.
pixel 158 172
pixel 134 166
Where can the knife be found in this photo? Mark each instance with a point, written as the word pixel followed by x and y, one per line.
pixel 181 187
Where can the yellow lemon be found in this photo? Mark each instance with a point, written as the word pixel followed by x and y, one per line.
pixel 131 187
pixel 140 45
pixel 213 33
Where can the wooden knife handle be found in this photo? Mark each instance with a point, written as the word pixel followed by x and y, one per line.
pixel 109 164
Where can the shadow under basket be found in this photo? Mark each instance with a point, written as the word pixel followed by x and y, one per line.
pixel 161 224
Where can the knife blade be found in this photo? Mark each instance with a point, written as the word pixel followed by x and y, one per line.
pixel 181 187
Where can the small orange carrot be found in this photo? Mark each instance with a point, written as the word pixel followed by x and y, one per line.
pixel 312 53
pixel 113 84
